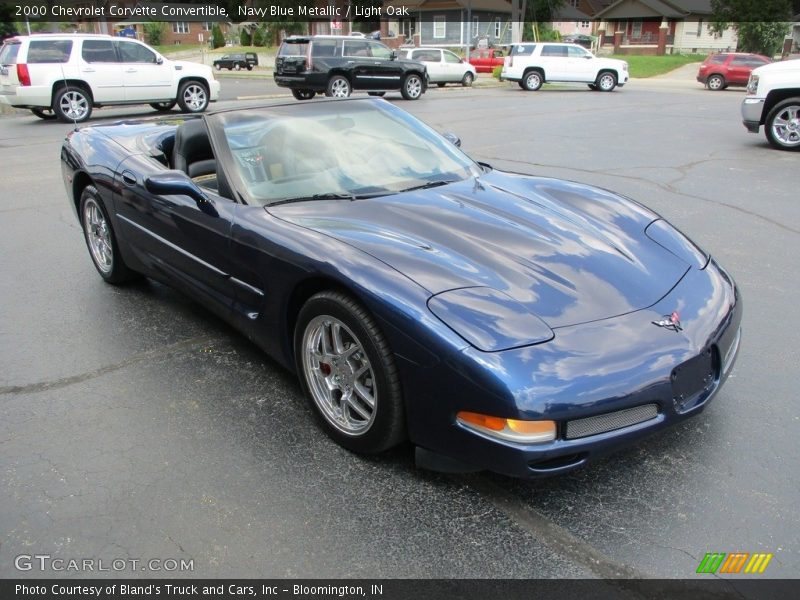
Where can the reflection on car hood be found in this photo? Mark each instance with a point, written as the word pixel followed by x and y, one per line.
pixel 569 253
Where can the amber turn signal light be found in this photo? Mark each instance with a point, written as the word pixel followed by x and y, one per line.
pixel 513 430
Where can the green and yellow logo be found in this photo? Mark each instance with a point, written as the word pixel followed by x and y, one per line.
pixel 734 563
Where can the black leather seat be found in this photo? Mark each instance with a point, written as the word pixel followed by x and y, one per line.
pixel 193 155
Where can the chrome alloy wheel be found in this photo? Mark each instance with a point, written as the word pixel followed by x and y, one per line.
pixel 194 96
pixel 413 86
pixel 339 375
pixel 786 126
pixel 340 88
pixel 74 105
pixel 98 236
pixel 607 82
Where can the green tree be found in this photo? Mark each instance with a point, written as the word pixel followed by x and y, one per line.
pixel 154 32
pixel 217 39
pixel 761 25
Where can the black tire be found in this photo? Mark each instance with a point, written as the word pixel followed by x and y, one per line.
pixel 339 87
pixel 249 67
pixel 412 87
pixel 532 80
pixel 716 83
pixel 114 270
pixel 378 94
pixel 230 68
pixel 782 125
pixel 193 97
pixel 303 94
pixel 386 425
pixel 593 87
pixel 468 79
pixel 72 104
pixel 606 81
pixel 521 84
pixel 163 106
pixel 44 113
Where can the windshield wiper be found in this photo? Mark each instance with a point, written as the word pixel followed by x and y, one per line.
pixel 430 184
pixel 325 196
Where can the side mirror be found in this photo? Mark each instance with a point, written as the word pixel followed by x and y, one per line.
pixel 452 138
pixel 177 183
pixel 393 55
pixel 159 61
pixel 588 57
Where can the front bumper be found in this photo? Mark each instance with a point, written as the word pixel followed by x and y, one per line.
pixel 586 371
pixel 752 111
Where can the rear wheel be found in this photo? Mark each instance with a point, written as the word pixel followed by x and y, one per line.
pixel 715 83
pixel 467 80
pixel 72 104
pixel 347 370
pixel 44 113
pixel 339 87
pixel 411 87
pixel 532 81
pixel 606 81
pixel 782 125
pixel 100 239
pixel 163 106
pixel 303 94
pixel 193 97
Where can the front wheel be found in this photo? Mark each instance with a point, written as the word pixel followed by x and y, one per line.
pixel 532 81
pixel 347 371
pixel 411 88
pixel 339 87
pixel 100 239
pixel 606 81
pixel 303 94
pixel 193 97
pixel 163 106
pixel 782 125
pixel 72 104
pixel 467 80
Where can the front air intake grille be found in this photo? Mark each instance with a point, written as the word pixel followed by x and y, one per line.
pixel 580 428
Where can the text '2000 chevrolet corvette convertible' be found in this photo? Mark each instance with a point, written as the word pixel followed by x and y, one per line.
pixel 498 321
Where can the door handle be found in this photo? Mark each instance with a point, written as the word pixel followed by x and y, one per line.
pixel 128 178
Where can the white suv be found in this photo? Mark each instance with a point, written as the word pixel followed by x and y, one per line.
pixel 532 64
pixel 67 75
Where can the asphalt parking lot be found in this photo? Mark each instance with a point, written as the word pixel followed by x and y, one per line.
pixel 133 424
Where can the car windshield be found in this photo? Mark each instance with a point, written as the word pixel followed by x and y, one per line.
pixel 342 149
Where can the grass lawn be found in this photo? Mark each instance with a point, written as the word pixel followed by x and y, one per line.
pixel 648 66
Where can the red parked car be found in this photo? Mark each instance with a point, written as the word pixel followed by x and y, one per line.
pixel 718 71
pixel 485 60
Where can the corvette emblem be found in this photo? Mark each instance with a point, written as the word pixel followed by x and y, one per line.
pixel 671 322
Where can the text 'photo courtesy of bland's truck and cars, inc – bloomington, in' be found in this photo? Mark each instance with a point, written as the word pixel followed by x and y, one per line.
pixel 411 298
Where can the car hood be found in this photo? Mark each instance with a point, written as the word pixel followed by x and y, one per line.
pixel 568 253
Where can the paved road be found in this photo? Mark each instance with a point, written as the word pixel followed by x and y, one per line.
pixel 133 424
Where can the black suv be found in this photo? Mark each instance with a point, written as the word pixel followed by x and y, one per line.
pixel 337 65
pixel 237 61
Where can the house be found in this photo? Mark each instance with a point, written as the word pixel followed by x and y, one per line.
pixel 661 27
pixel 453 22
pixel 575 16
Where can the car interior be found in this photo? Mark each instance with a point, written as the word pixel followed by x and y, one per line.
pixel 190 151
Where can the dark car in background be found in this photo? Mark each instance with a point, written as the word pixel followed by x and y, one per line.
pixel 718 71
pixel 580 39
pixel 247 61
pixel 339 65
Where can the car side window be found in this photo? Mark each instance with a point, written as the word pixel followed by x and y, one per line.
pixel 132 52
pixel 99 51
pixel 523 50
pixel 49 51
pixel 449 57
pixel 575 52
pixel 718 59
pixel 378 50
pixel 427 56
pixel 356 48
pixel 324 48
pixel 554 51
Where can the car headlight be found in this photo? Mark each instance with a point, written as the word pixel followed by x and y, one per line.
pixel 489 319
pixel 668 237
pixel 752 84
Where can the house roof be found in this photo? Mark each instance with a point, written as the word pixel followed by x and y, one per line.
pixel 567 12
pixel 673 9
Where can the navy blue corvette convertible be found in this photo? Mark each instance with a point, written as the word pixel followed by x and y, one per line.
pixel 497 321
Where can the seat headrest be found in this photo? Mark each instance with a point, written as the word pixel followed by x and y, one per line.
pixel 191 145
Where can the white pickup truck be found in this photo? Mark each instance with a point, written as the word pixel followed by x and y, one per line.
pixel 773 100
